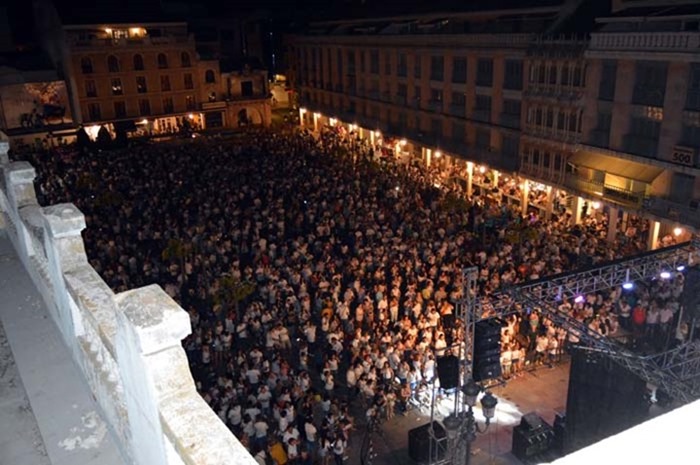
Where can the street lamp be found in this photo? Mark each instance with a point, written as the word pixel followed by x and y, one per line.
pixel 462 426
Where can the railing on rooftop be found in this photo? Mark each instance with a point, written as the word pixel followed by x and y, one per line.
pixel 646 41
pixel 128 345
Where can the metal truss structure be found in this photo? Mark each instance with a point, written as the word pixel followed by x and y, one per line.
pixel 441 447
pixel 677 371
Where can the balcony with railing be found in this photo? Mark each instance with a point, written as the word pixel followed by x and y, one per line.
pixel 457 110
pixel 94 42
pixel 435 106
pixel 482 115
pixel 509 120
pixel 559 92
pixel 646 41
pixel 614 194
pixel 684 213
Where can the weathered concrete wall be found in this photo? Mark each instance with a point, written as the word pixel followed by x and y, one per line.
pixel 127 345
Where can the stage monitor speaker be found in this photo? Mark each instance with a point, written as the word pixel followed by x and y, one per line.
pixel 486 372
pixel 532 437
pixel 419 442
pixel 448 371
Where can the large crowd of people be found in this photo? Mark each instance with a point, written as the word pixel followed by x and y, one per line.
pixel 319 276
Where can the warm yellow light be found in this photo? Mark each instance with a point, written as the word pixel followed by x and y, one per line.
pixel 332 121
pixel 143 121
pixel 136 31
pixel 403 142
pixel 595 205
pixel 190 116
pixel 317 115
pixel 677 231
pixel 438 154
pixel 302 110
pixel 108 30
pixel 482 169
pixel 377 134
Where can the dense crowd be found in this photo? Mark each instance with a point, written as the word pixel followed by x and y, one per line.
pixel 318 275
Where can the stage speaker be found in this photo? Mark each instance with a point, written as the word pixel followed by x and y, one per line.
pixel 559 433
pixel 419 442
pixel 690 298
pixel 487 350
pixel 448 371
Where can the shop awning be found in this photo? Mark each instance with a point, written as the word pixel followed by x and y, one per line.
pixel 616 166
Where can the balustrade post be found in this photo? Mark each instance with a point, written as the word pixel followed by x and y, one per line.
pixel 19 181
pixel 65 250
pixel 150 326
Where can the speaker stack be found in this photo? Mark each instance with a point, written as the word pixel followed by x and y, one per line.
pixel 532 438
pixel 419 442
pixel 487 350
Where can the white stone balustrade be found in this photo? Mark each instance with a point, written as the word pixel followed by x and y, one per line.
pixel 127 346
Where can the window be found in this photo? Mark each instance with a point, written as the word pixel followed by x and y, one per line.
pixel 185 60
pixel 512 107
pixel 190 103
pixel 459 99
pixel 579 76
pixel 120 109
pixel 484 72
pixel 165 83
pixel 117 86
pixel 435 95
pixel 417 66
pixel 436 127
pixel 513 78
pixel 561 121
pixel 604 121
pixel 351 61
pixel 189 84
pixel 565 70
pixel 374 62
pixel 144 107
pixel 608 78
pixel 552 74
pixel 401 65
pixel 416 93
pixel 209 76
pixel 141 86
pixel 94 112
pixel 511 146
pixel 247 88
pixel 549 123
pixel 691 136
pixel 90 89
pixel 339 64
pixel 692 100
pixel 437 68
pixel 362 61
pixel 546 159
pixel 168 106
pixel 402 90
pixel 86 65
pixel 650 83
pixel 162 61
pixel 458 131
pixel 459 70
pixel 387 64
pixel 541 73
pixel 112 64
pixel 483 138
pixel 483 103
pixel 138 62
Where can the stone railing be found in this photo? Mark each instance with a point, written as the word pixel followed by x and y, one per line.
pixel 638 41
pixel 128 346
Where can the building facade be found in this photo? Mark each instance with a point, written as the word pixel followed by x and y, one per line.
pixel 602 117
pixel 146 76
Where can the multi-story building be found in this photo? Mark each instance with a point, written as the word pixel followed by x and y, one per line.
pixel 146 75
pixel 602 116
